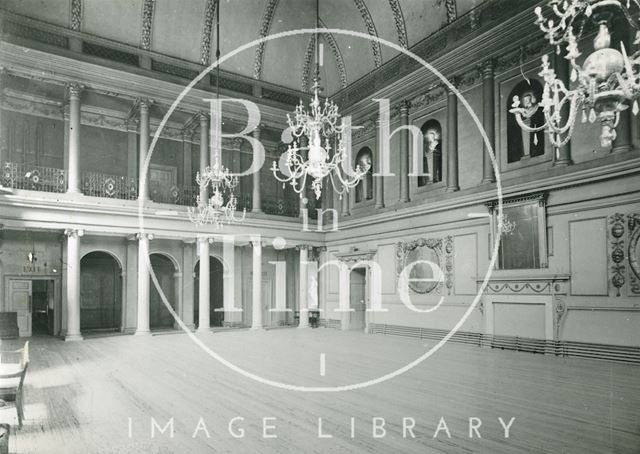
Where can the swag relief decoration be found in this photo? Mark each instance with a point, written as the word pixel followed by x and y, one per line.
pixel 422 278
pixel 624 253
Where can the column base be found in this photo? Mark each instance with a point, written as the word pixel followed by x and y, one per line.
pixel 73 337
pixel 452 189
pixel 562 163
pixel 142 333
pixel 488 180
pixel 256 328
pixel 303 326
pixel 379 205
pixel 74 191
pixel 203 330
pixel 404 200
pixel 256 210
pixel 621 149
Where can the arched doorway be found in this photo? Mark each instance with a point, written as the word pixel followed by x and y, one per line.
pixel 216 293
pixel 159 315
pixel 100 292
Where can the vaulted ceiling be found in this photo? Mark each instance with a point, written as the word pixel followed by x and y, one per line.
pixel 186 29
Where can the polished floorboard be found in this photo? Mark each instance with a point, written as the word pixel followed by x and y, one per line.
pixel 102 395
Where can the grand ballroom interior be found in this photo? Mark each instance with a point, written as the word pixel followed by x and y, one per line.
pixel 407 226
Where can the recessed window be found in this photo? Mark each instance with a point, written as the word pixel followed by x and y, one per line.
pixel 364 189
pixel 523 144
pixel 432 153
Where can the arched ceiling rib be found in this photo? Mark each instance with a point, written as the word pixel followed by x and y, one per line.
pixel 265 26
pixel 371 29
pixel 147 24
pixel 207 31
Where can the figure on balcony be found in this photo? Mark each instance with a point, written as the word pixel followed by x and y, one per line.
pixel 520 143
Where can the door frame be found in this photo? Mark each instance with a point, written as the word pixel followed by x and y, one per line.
pixel 367 298
pixel 57 294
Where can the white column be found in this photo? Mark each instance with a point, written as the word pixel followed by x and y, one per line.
pixel 304 288
pixel 204 154
pixel 256 304
pixel 143 190
pixel 204 298
pixel 73 159
pixel 187 285
pixel 73 284
pixel 230 309
pixel 142 327
pixel 256 200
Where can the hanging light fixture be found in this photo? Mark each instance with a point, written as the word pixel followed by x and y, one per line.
pixel 603 84
pixel 214 210
pixel 318 124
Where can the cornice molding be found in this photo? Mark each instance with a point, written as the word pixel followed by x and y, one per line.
pixel 62 70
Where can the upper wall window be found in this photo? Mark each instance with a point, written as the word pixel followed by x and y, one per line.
pixel 523 144
pixel 364 189
pixel 432 152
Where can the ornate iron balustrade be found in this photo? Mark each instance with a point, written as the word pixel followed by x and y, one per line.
pixel 34 178
pixel 110 186
pixel 176 195
pixel 280 207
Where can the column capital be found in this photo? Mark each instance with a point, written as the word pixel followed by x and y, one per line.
pixel 203 117
pixel 75 233
pixel 300 247
pixel 74 89
pixel 132 124
pixel 404 106
pixel 144 236
pixel 205 239
pixel 488 68
pixel 145 103
pixel 455 81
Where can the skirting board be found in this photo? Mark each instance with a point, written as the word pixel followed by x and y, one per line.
pixel 559 348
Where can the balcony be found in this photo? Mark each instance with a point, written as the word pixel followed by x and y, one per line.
pixel 33 178
pixel 96 184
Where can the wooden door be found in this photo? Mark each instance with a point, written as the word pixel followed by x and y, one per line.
pixel 20 302
pixel 161 180
pixel 357 299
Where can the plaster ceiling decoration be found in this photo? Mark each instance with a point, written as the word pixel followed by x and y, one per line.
pixel 186 30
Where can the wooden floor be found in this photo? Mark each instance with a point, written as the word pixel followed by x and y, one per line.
pixel 80 396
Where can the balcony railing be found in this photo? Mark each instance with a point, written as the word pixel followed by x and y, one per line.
pixel 111 186
pixel 34 178
pixel 175 195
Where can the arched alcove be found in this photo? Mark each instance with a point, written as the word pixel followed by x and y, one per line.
pixel 100 292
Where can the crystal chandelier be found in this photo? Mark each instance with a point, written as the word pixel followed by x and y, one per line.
pixel 601 86
pixel 318 124
pixel 214 210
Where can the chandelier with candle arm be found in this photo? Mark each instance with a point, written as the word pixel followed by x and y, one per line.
pixel 318 125
pixel 214 210
pixel 602 86
pixel 211 207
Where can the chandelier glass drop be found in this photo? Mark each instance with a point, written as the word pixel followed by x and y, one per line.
pixel 313 131
pixel 214 210
pixel 602 86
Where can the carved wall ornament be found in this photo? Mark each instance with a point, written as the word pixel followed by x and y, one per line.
pixel 147 24
pixel 634 253
pixel 617 230
pixel 427 249
pixel 265 25
pixel 398 18
pixel 355 257
pixel 448 249
pixel 371 29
